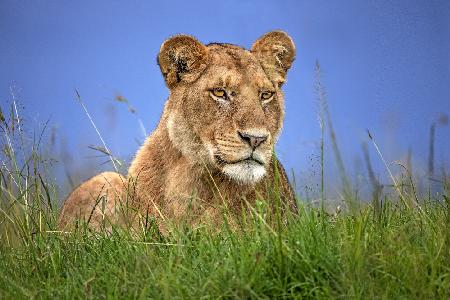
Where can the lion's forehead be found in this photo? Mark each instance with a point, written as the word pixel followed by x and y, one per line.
pixel 234 66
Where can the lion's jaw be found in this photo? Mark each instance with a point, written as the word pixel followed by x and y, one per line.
pixel 244 166
pixel 245 172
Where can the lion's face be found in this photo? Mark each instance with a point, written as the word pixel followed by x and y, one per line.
pixel 236 112
pixel 227 110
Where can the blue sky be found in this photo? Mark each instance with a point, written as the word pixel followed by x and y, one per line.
pixel 386 67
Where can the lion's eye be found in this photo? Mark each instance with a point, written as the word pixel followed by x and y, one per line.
pixel 265 96
pixel 220 93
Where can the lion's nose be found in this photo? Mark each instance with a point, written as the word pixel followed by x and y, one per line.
pixel 253 140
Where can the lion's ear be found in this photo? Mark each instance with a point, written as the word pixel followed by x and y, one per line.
pixel 276 52
pixel 181 58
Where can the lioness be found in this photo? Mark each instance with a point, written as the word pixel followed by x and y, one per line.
pixel 214 143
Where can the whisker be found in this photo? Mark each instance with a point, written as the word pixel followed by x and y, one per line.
pixel 228 140
pixel 223 142
pixel 231 147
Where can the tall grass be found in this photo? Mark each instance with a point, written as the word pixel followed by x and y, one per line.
pixel 387 249
pixel 28 199
pixel 325 120
pixel 351 256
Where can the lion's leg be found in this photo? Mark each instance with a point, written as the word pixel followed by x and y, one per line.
pixel 95 202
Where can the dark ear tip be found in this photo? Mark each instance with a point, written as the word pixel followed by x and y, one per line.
pixel 178 39
pixel 276 36
pixel 276 33
pixel 182 42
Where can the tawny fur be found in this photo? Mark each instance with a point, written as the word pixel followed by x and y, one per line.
pixel 191 165
pixel 94 201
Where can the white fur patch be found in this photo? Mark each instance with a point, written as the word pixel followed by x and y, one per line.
pixel 246 172
pixel 183 138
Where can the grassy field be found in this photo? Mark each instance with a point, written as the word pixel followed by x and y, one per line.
pixel 403 253
pixel 394 247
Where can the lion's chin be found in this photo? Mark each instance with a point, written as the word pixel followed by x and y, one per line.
pixel 246 172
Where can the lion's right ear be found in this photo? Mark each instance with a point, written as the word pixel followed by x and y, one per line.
pixel 181 58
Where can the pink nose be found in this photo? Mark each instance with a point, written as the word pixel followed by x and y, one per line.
pixel 253 140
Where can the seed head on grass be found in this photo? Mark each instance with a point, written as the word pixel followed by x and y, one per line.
pixel 80 100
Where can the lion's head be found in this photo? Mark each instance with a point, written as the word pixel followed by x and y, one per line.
pixel 226 106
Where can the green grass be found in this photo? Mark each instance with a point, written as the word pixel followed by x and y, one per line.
pixel 400 250
pixel 403 254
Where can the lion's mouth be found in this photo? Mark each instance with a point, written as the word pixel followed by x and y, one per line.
pixel 249 159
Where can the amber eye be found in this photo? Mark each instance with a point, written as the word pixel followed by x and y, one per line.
pixel 266 95
pixel 220 93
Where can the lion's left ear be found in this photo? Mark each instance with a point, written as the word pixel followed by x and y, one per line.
pixel 276 52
